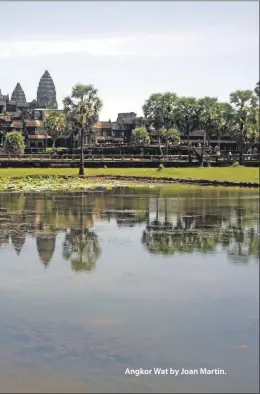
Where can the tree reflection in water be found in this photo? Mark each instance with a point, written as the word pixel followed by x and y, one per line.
pixel 203 233
pixel 203 223
pixel 82 249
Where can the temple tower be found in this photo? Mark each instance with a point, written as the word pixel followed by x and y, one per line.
pixel 46 93
pixel 18 94
pixel 45 247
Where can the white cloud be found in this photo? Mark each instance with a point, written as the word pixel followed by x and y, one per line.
pixel 199 42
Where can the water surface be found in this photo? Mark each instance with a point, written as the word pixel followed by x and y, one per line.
pixel 94 283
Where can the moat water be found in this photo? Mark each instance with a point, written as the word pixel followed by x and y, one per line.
pixel 94 283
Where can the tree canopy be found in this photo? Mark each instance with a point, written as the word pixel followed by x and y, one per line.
pixel 55 124
pixel 140 135
pixel 237 118
pixel 172 134
pixel 82 108
pixel 14 143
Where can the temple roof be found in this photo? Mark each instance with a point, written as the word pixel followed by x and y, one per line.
pixel 18 94
pixel 45 247
pixel 46 92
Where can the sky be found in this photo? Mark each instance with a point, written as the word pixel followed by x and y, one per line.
pixel 129 50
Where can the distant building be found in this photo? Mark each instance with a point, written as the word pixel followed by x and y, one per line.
pixel 16 114
pixel 119 131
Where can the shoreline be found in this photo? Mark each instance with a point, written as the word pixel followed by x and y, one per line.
pixel 40 183
pixel 171 181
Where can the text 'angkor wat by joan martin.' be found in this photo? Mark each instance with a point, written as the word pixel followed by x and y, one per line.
pixel 174 372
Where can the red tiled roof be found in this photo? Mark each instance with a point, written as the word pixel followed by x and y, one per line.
pixel 38 137
pixel 98 125
pixel 17 124
pixel 6 118
pixel 34 123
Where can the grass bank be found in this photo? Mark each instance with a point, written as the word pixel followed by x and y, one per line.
pixel 225 174
pixel 40 183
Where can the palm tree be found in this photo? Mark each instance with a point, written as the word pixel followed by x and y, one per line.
pixel 209 119
pixel 169 105
pixel 82 108
pixel 246 112
pixel 159 111
pixel 226 120
pixel 153 112
pixel 186 117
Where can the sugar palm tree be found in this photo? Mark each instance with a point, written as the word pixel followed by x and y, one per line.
pixel 209 119
pixel 186 117
pixel 246 116
pixel 153 112
pixel 82 108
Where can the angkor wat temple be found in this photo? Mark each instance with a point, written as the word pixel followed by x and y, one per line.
pixel 46 97
pixel 17 114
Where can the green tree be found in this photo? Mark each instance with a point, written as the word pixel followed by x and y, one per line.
pixel 140 134
pixel 14 143
pixel 82 108
pixel 172 134
pixel 153 112
pixel 55 124
pixel 186 117
pixel 169 105
pixel 210 120
pixel 226 119
pixel 257 89
pixel 159 112
pixel 246 111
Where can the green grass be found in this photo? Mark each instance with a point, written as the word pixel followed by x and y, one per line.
pixel 235 174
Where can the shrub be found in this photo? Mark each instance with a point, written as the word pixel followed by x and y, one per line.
pixel 14 143
pixel 140 134
pixel 160 168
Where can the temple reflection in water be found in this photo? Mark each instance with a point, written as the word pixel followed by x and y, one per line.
pixel 197 222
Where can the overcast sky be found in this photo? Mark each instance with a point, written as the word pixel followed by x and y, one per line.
pixel 129 50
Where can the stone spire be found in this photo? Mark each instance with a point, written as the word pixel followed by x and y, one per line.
pixel 18 94
pixel 46 93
